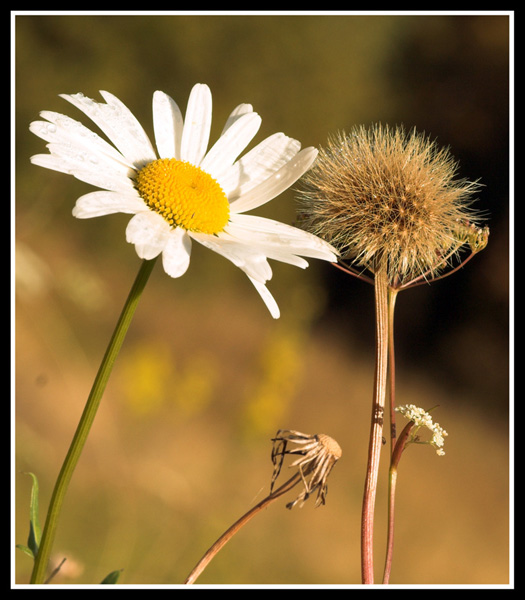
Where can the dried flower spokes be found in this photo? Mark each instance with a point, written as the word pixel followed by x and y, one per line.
pixel 421 418
pixel 317 456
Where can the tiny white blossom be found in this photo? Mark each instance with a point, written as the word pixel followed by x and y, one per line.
pixel 422 418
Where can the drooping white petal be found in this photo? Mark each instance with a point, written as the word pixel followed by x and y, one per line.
pixel 284 256
pixel 237 112
pixel 98 204
pixel 267 298
pixel 270 235
pixel 149 232
pixel 176 253
pixel 248 258
pixel 119 124
pixel 276 183
pixel 197 125
pixel 226 149
pixel 167 124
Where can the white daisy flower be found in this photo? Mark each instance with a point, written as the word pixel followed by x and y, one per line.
pixel 184 191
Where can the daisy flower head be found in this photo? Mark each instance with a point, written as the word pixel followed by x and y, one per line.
pixel 182 191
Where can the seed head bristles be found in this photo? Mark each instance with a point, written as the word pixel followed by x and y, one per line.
pixel 390 200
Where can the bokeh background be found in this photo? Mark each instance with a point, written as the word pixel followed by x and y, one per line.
pixel 181 445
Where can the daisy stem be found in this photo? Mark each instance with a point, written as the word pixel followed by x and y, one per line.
pixel 86 420
pixel 231 531
pixel 376 429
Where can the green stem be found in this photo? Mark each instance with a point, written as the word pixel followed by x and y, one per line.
pixel 376 429
pixel 86 420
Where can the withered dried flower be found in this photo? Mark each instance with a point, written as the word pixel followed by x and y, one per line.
pixel 317 455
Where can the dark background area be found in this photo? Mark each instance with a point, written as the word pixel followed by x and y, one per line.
pixel 237 375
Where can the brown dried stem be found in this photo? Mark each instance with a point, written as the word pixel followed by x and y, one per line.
pixel 231 531
pixel 376 430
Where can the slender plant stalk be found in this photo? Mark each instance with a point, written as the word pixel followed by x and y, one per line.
pixel 231 531
pixel 376 429
pixel 392 476
pixel 86 420
pixel 392 481
pixel 392 295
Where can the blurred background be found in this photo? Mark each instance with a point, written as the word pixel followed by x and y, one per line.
pixel 181 445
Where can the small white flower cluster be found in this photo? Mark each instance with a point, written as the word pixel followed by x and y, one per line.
pixel 422 418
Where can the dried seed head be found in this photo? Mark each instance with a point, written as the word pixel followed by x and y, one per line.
pixel 317 456
pixel 388 200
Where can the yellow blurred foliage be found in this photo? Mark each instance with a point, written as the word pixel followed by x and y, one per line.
pixel 150 379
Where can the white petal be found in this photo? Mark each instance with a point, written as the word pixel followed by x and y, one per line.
pixel 98 204
pixel 258 164
pixel 226 149
pixel 81 153
pixel 197 124
pixel 271 236
pixel 119 124
pixel 167 124
pixel 101 179
pixel 51 162
pixel 237 112
pixel 267 298
pixel 149 232
pixel 284 256
pixel 176 253
pixel 61 129
pixel 249 259
pixel 97 170
pixel 276 183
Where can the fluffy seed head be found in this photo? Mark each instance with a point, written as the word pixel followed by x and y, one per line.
pixel 388 200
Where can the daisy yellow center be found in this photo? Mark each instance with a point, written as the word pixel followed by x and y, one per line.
pixel 185 195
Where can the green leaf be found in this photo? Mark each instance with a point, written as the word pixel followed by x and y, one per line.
pixel 35 533
pixel 25 550
pixel 113 577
